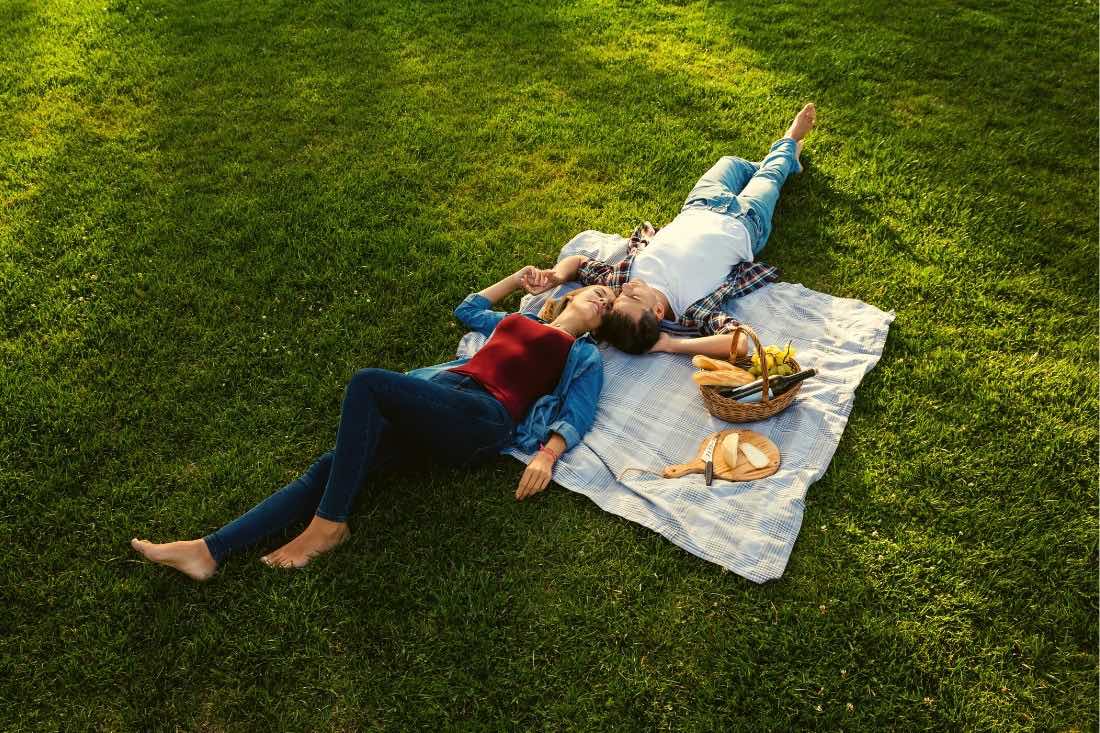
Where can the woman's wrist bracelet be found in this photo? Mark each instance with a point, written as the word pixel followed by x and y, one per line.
pixel 543 449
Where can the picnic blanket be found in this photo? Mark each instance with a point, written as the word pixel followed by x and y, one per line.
pixel 651 415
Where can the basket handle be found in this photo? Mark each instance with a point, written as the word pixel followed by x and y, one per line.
pixel 741 327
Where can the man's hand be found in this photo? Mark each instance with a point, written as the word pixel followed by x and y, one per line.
pixel 664 343
pixel 539 281
pixel 536 477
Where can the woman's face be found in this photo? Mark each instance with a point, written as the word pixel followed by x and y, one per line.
pixel 591 304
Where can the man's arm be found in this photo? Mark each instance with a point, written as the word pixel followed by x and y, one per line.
pixel 717 347
pixel 566 270
pixel 539 281
pixel 589 271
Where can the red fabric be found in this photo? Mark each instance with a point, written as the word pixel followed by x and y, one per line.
pixel 520 363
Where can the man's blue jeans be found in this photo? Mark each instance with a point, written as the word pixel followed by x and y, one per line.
pixel 748 190
pixel 386 417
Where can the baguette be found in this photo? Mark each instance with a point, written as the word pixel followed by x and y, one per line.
pixel 732 377
pixel 714 365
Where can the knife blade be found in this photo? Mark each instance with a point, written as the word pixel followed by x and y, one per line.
pixel 708 458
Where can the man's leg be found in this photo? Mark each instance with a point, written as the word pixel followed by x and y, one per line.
pixel 725 178
pixel 758 198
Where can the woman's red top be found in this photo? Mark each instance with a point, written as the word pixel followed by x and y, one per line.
pixel 521 362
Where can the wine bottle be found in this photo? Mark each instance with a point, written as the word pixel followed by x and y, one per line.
pixel 777 385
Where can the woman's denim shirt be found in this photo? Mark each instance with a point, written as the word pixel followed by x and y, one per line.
pixel 569 410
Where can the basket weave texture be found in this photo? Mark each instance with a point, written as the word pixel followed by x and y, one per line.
pixel 731 410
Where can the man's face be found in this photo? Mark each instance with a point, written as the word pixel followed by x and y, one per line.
pixel 635 298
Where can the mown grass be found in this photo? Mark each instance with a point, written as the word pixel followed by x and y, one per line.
pixel 213 213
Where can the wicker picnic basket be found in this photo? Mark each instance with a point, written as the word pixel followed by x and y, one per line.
pixel 731 410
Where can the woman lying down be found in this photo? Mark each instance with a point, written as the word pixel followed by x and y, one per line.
pixel 533 385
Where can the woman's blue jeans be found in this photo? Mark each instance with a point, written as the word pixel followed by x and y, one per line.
pixel 748 190
pixel 386 417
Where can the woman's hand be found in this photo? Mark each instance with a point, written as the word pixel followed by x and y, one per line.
pixel 516 281
pixel 523 276
pixel 536 477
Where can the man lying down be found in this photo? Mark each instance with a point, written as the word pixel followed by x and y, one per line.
pixel 679 277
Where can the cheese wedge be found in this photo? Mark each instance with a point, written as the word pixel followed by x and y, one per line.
pixel 729 449
pixel 755 456
pixel 732 377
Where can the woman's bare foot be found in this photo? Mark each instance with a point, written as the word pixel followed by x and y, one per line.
pixel 802 124
pixel 190 557
pixel 319 537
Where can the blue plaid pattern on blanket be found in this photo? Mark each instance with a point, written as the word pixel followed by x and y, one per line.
pixel 651 415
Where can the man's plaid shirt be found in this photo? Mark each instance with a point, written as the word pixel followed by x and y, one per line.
pixel 705 315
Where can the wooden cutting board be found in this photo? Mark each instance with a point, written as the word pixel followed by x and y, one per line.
pixel 742 470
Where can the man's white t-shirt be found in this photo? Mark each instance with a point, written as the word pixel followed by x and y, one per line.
pixel 690 257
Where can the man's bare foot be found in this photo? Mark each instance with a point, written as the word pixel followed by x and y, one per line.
pixel 801 126
pixel 190 557
pixel 803 122
pixel 319 537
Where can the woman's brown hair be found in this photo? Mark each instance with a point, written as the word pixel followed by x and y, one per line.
pixel 553 308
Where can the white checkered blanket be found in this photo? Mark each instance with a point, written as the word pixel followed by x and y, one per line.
pixel 651 415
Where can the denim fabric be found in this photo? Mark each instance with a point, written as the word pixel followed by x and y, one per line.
pixel 569 410
pixel 387 418
pixel 747 190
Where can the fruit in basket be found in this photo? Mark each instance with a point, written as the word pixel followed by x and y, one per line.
pixel 777 358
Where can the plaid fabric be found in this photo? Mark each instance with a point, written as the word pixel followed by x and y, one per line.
pixel 705 316
pixel 650 415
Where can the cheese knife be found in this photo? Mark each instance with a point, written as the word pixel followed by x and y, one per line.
pixel 708 459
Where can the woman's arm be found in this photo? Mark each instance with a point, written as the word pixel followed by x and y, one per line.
pixel 579 403
pixel 508 285
pixel 476 311
pixel 541 468
pixel 578 412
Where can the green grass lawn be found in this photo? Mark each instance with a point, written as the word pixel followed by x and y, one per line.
pixel 212 214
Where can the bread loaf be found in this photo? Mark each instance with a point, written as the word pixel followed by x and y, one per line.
pixel 705 362
pixel 732 377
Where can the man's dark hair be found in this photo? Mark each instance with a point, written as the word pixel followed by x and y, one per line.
pixel 626 335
